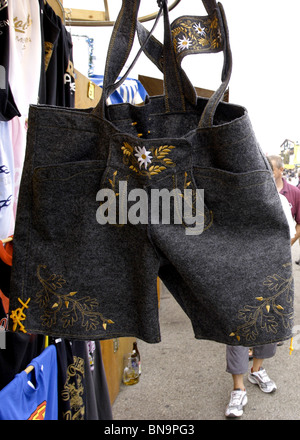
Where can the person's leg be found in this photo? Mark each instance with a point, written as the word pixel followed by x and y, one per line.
pixel 237 364
pixel 258 374
pixel 237 359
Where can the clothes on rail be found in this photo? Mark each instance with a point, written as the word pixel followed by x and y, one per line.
pixel 36 66
pixel 33 395
pixel 19 348
pixel 8 107
pixel 6 180
pixel 82 392
pixel 57 61
pixel 62 385
pixel 82 388
pixel 24 52
pixel 36 53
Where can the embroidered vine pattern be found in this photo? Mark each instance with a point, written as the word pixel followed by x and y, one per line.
pixel 196 35
pixel 67 307
pixel 263 314
pixel 138 159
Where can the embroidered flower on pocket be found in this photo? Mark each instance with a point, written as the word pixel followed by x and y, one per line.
pixel 143 156
pixel 157 157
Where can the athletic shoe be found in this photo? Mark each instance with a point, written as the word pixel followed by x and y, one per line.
pixel 261 379
pixel 238 400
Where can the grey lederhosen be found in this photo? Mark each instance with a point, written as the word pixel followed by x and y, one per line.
pixel 237 358
pixel 76 278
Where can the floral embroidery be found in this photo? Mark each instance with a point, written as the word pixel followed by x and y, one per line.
pixel 143 156
pixel 260 316
pixel 183 43
pixel 196 34
pixel 158 156
pixel 66 306
pixel 199 29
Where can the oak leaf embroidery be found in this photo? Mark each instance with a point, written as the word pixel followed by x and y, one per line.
pixel 268 311
pixel 67 307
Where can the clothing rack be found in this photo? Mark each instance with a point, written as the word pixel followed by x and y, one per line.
pixel 29 369
pixel 82 17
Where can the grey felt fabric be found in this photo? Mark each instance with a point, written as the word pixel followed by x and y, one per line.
pixel 86 280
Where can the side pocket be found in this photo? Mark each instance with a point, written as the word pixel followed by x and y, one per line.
pixel 241 201
pixel 64 198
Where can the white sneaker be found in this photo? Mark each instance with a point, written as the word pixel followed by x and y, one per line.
pixel 261 379
pixel 238 400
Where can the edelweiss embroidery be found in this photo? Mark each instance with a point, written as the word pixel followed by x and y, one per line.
pixel 268 308
pixel 145 158
pixel 196 34
pixel 66 307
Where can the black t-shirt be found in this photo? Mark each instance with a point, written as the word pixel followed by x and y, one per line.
pixel 8 107
pixel 57 86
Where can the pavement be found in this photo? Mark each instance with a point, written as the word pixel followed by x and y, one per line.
pixel 185 379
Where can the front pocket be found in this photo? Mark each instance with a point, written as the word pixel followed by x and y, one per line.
pixel 64 199
pixel 241 200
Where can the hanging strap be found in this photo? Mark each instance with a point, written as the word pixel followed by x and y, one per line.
pixel 210 40
pixel 209 5
pixel 119 49
pixel 210 109
pixel 182 38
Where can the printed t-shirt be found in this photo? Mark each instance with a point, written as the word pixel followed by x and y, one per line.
pixel 32 396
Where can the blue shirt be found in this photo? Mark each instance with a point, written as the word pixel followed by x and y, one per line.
pixel 33 396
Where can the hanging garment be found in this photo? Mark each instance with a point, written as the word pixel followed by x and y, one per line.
pixel 98 399
pixel 24 52
pixel 100 385
pixel 78 397
pixel 71 379
pixel 131 91
pixel 85 270
pixel 49 36
pixel 19 348
pixel 6 181
pixel 57 77
pixel 32 396
pixel 8 108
